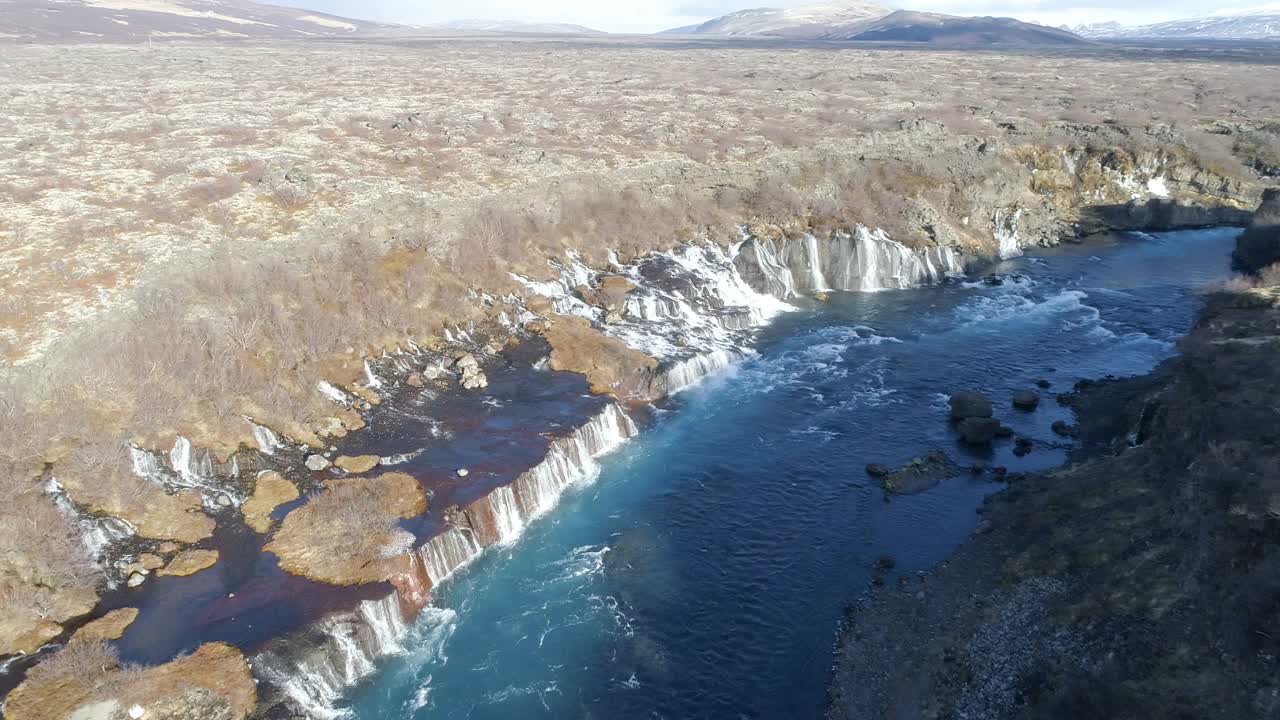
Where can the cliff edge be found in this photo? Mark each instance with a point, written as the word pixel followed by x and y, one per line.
pixel 1140 580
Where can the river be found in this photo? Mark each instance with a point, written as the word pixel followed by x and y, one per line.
pixel 703 573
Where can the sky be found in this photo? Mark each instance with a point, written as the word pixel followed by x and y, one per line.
pixel 654 15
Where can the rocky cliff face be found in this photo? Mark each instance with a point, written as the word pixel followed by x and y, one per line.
pixel 1139 581
pixel 1259 246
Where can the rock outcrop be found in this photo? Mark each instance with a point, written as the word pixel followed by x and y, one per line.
pixel 84 680
pixel 348 533
pixel 189 562
pixel 1259 246
pixel 609 364
pixel 918 475
pixel 271 490
pixel 970 404
pixel 108 627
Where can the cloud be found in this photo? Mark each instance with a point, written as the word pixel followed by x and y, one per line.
pixel 654 15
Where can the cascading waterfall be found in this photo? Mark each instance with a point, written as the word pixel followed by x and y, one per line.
pixel 97 534
pixel 869 260
pixel 865 260
pixel 267 440
pixel 690 308
pixel 685 373
pixel 500 516
pixel 189 467
pixel 1005 228
pixel 817 282
pixel 314 673
pixel 446 552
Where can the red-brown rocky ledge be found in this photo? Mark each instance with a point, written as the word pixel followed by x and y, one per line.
pixel 347 534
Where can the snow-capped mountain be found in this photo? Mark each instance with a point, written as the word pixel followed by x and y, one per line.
pixel 867 22
pixel 1252 26
pixel 912 26
pixel 126 20
pixel 805 21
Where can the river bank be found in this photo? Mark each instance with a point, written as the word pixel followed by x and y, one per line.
pixel 1139 580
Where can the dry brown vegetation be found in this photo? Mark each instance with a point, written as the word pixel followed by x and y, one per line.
pixel 213 682
pixel 190 235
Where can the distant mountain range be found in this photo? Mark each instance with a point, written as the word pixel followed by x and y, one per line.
pixel 855 20
pixel 516 26
pixel 806 21
pixel 1252 26
pixel 117 20
pixel 133 20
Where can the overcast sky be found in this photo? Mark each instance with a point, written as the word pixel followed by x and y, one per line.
pixel 654 15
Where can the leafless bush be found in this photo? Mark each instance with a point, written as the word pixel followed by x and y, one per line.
pixel 208 192
pixel 1214 153
pixel 85 662
pixel 47 541
pixel 292 195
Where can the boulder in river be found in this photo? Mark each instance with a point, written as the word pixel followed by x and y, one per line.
pixel 876 470
pixel 979 430
pixel 1022 446
pixel 316 463
pixel 1026 399
pixel 1064 429
pixel 920 474
pixel 970 404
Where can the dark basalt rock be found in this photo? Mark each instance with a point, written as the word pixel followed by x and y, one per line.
pixel 920 474
pixel 1259 246
pixel 1026 399
pixel 970 404
pixel 979 430
pixel 877 470
pixel 1063 428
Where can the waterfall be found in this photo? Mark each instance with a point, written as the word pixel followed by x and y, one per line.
pixel 866 260
pixel 446 552
pixel 371 380
pixel 314 672
pixel 97 534
pixel 191 465
pixel 685 373
pixel 816 281
pixel 332 392
pixel 194 468
pixel 688 301
pixel 1005 228
pixel 500 516
pixel 761 260
pixel 506 514
pixel 268 442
